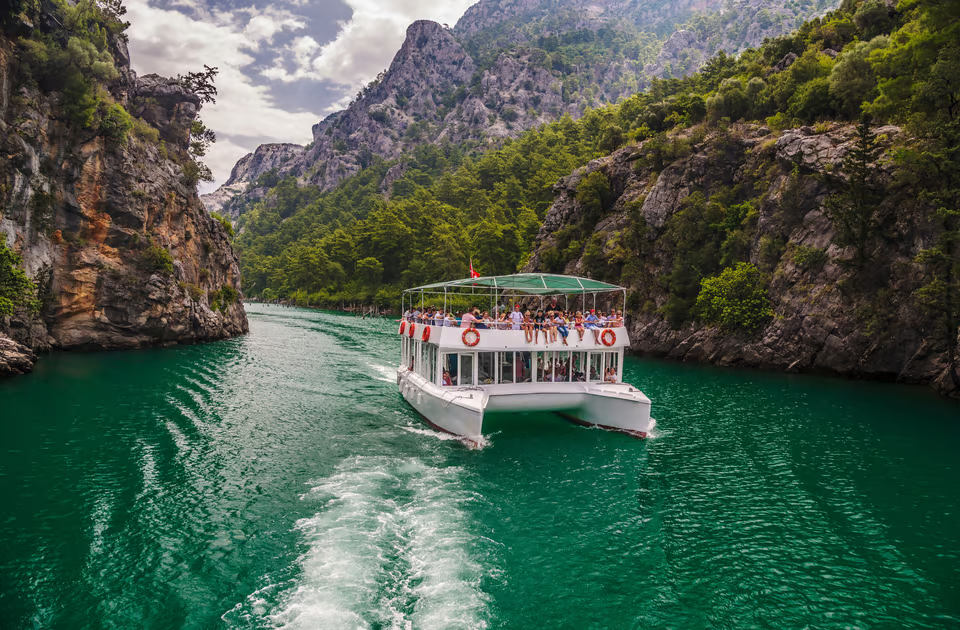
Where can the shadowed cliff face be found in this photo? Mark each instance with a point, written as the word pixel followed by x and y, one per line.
pixel 829 315
pixel 115 235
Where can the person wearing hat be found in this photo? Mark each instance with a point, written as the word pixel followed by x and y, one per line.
pixel 590 322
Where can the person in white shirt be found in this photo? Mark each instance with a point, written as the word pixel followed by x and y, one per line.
pixel 516 317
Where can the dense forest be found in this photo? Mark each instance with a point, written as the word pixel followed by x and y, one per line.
pixel 373 236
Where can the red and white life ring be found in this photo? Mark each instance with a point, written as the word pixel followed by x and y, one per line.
pixel 412 328
pixel 474 334
pixel 426 334
pixel 403 326
pixel 608 341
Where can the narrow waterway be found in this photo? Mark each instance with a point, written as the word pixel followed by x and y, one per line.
pixel 279 480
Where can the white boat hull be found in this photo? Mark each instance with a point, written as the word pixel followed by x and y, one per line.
pixel 460 410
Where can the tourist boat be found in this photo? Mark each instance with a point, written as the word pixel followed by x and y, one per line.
pixel 452 376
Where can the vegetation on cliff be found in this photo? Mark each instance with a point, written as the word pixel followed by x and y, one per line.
pixel 16 290
pixel 893 65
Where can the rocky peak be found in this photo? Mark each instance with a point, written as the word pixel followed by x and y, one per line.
pixel 487 13
pixel 267 157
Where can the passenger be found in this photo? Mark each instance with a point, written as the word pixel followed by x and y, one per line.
pixel 578 324
pixel 502 323
pixel 516 317
pixel 561 323
pixel 528 327
pixel 447 381
pixel 407 314
pixel 590 323
pixel 450 320
pixel 538 321
pixel 601 319
pixel 467 321
pixel 478 319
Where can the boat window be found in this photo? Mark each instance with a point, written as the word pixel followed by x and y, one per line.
pixel 507 373
pixel 485 368
pixel 596 367
pixel 612 368
pixel 549 369
pixel 466 370
pixel 523 367
pixel 432 364
pixel 449 364
pixel 578 363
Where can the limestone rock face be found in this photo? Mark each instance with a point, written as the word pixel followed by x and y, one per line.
pixel 15 358
pixel 113 233
pixel 829 317
pixel 246 172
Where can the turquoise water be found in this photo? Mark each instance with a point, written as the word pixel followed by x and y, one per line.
pixel 278 480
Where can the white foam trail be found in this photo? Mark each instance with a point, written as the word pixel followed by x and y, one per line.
pixel 483 442
pixel 386 373
pixel 391 547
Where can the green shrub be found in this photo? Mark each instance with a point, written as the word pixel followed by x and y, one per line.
pixel 195 292
pixel 80 101
pixel 221 299
pixel 144 130
pixel 157 258
pixel 194 172
pixel 116 123
pixel 225 222
pixel 735 300
pixel 15 287
pixel 809 257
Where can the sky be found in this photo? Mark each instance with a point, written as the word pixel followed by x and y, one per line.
pixel 284 65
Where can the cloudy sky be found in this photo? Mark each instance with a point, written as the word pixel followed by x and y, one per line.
pixel 284 64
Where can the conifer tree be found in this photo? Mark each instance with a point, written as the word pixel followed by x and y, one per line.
pixel 854 209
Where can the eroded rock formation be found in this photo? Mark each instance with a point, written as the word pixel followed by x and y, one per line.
pixel 113 232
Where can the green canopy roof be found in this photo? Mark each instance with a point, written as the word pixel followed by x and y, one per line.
pixel 531 283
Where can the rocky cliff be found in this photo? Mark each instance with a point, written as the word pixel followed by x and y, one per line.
pixel 662 213
pixel 245 175
pixel 108 224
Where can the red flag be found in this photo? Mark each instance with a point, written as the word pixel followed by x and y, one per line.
pixel 473 274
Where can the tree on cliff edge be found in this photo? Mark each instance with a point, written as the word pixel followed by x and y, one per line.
pixel 854 209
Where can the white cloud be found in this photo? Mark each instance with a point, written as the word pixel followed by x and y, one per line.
pixel 170 43
pixel 367 42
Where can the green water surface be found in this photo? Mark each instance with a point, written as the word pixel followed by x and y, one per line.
pixel 279 480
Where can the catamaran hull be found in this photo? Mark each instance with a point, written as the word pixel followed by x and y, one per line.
pixel 460 411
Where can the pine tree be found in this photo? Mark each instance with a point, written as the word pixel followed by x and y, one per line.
pixel 854 209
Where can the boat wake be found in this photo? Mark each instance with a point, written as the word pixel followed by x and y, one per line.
pixel 483 442
pixel 391 546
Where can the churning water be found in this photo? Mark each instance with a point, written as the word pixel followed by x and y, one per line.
pixel 279 481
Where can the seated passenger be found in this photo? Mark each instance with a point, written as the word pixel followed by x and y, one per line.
pixel 590 322
pixel 561 323
pixel 447 381
pixel 528 327
pixel 538 325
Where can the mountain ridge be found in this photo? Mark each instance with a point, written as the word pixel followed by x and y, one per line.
pixel 435 90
